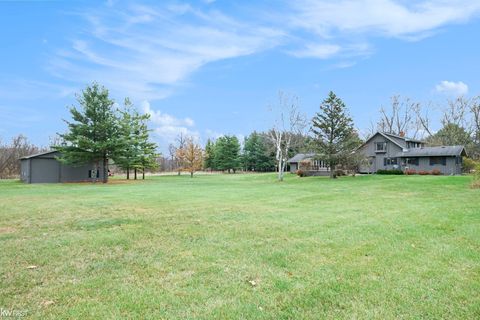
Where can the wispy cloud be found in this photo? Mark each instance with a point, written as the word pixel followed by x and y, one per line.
pixel 147 51
pixel 452 88
pixel 381 17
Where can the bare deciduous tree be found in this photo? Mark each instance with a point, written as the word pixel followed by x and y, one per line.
pixel 289 122
pixel 10 155
pixel 399 117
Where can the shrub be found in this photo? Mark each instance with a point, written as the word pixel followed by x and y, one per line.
pixel 301 173
pixel 436 172
pixel 410 172
pixel 394 172
pixel 468 165
pixel 423 173
pixel 476 178
pixel 340 172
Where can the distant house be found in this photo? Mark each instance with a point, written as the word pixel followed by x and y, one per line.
pixel 386 151
pixel 45 168
pixel 309 164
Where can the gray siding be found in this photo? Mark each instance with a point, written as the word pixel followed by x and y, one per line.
pixel 44 170
pixel 293 167
pixel 451 167
pixel 25 170
pixel 377 158
pixel 47 169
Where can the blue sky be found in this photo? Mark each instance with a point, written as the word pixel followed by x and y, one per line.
pixel 207 68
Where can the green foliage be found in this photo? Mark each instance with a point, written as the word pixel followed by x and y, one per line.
pixel 392 172
pixel 93 133
pixel 468 164
pixel 334 135
pixel 452 135
pixel 227 153
pixel 255 154
pixel 209 160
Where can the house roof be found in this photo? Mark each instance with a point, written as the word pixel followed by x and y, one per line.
pixel 398 140
pixel 434 152
pixel 35 155
pixel 300 156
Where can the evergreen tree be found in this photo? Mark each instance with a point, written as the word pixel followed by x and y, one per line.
pixel 92 135
pixel 209 161
pixel 334 136
pixel 147 155
pixel 255 153
pixel 451 135
pixel 227 153
pixel 126 154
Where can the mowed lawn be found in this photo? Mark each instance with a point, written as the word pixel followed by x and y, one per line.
pixel 242 247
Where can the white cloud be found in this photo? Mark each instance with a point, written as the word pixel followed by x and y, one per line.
pixel 452 88
pixel 145 52
pixel 168 127
pixel 383 17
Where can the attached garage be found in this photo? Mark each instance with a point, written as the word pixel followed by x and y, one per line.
pixel 45 168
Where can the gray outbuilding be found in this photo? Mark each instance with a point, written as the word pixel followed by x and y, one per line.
pixel 46 168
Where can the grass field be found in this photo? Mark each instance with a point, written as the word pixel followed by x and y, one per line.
pixel 242 246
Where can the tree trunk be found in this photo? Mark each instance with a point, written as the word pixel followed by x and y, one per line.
pixel 143 174
pixel 105 169
pixel 128 173
pixel 135 173
pixel 191 174
pixel 280 170
pixel 332 171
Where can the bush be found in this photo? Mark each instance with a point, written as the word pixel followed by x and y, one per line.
pixel 476 178
pixel 468 165
pixel 394 172
pixel 436 172
pixel 340 173
pixel 410 172
pixel 423 173
pixel 301 173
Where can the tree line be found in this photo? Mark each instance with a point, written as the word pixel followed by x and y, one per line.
pixel 99 131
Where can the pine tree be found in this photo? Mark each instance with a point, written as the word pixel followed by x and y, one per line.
pixel 209 161
pixel 92 135
pixel 334 135
pixel 147 155
pixel 127 151
pixel 255 153
pixel 227 153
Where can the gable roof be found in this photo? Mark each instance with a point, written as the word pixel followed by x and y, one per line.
pixel 300 156
pixel 396 139
pixel 36 155
pixel 434 152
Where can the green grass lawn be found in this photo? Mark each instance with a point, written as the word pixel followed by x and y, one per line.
pixel 243 246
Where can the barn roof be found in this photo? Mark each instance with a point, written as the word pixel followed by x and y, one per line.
pixel 35 155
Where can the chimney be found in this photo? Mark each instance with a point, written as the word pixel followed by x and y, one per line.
pixel 402 134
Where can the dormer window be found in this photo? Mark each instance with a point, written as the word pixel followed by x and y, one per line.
pixel 380 147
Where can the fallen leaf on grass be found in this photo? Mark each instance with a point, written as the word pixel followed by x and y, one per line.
pixel 253 282
pixel 47 303
pixel 32 267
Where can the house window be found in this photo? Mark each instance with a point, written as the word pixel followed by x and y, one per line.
pixel 438 161
pixel 390 161
pixel 412 161
pixel 380 146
